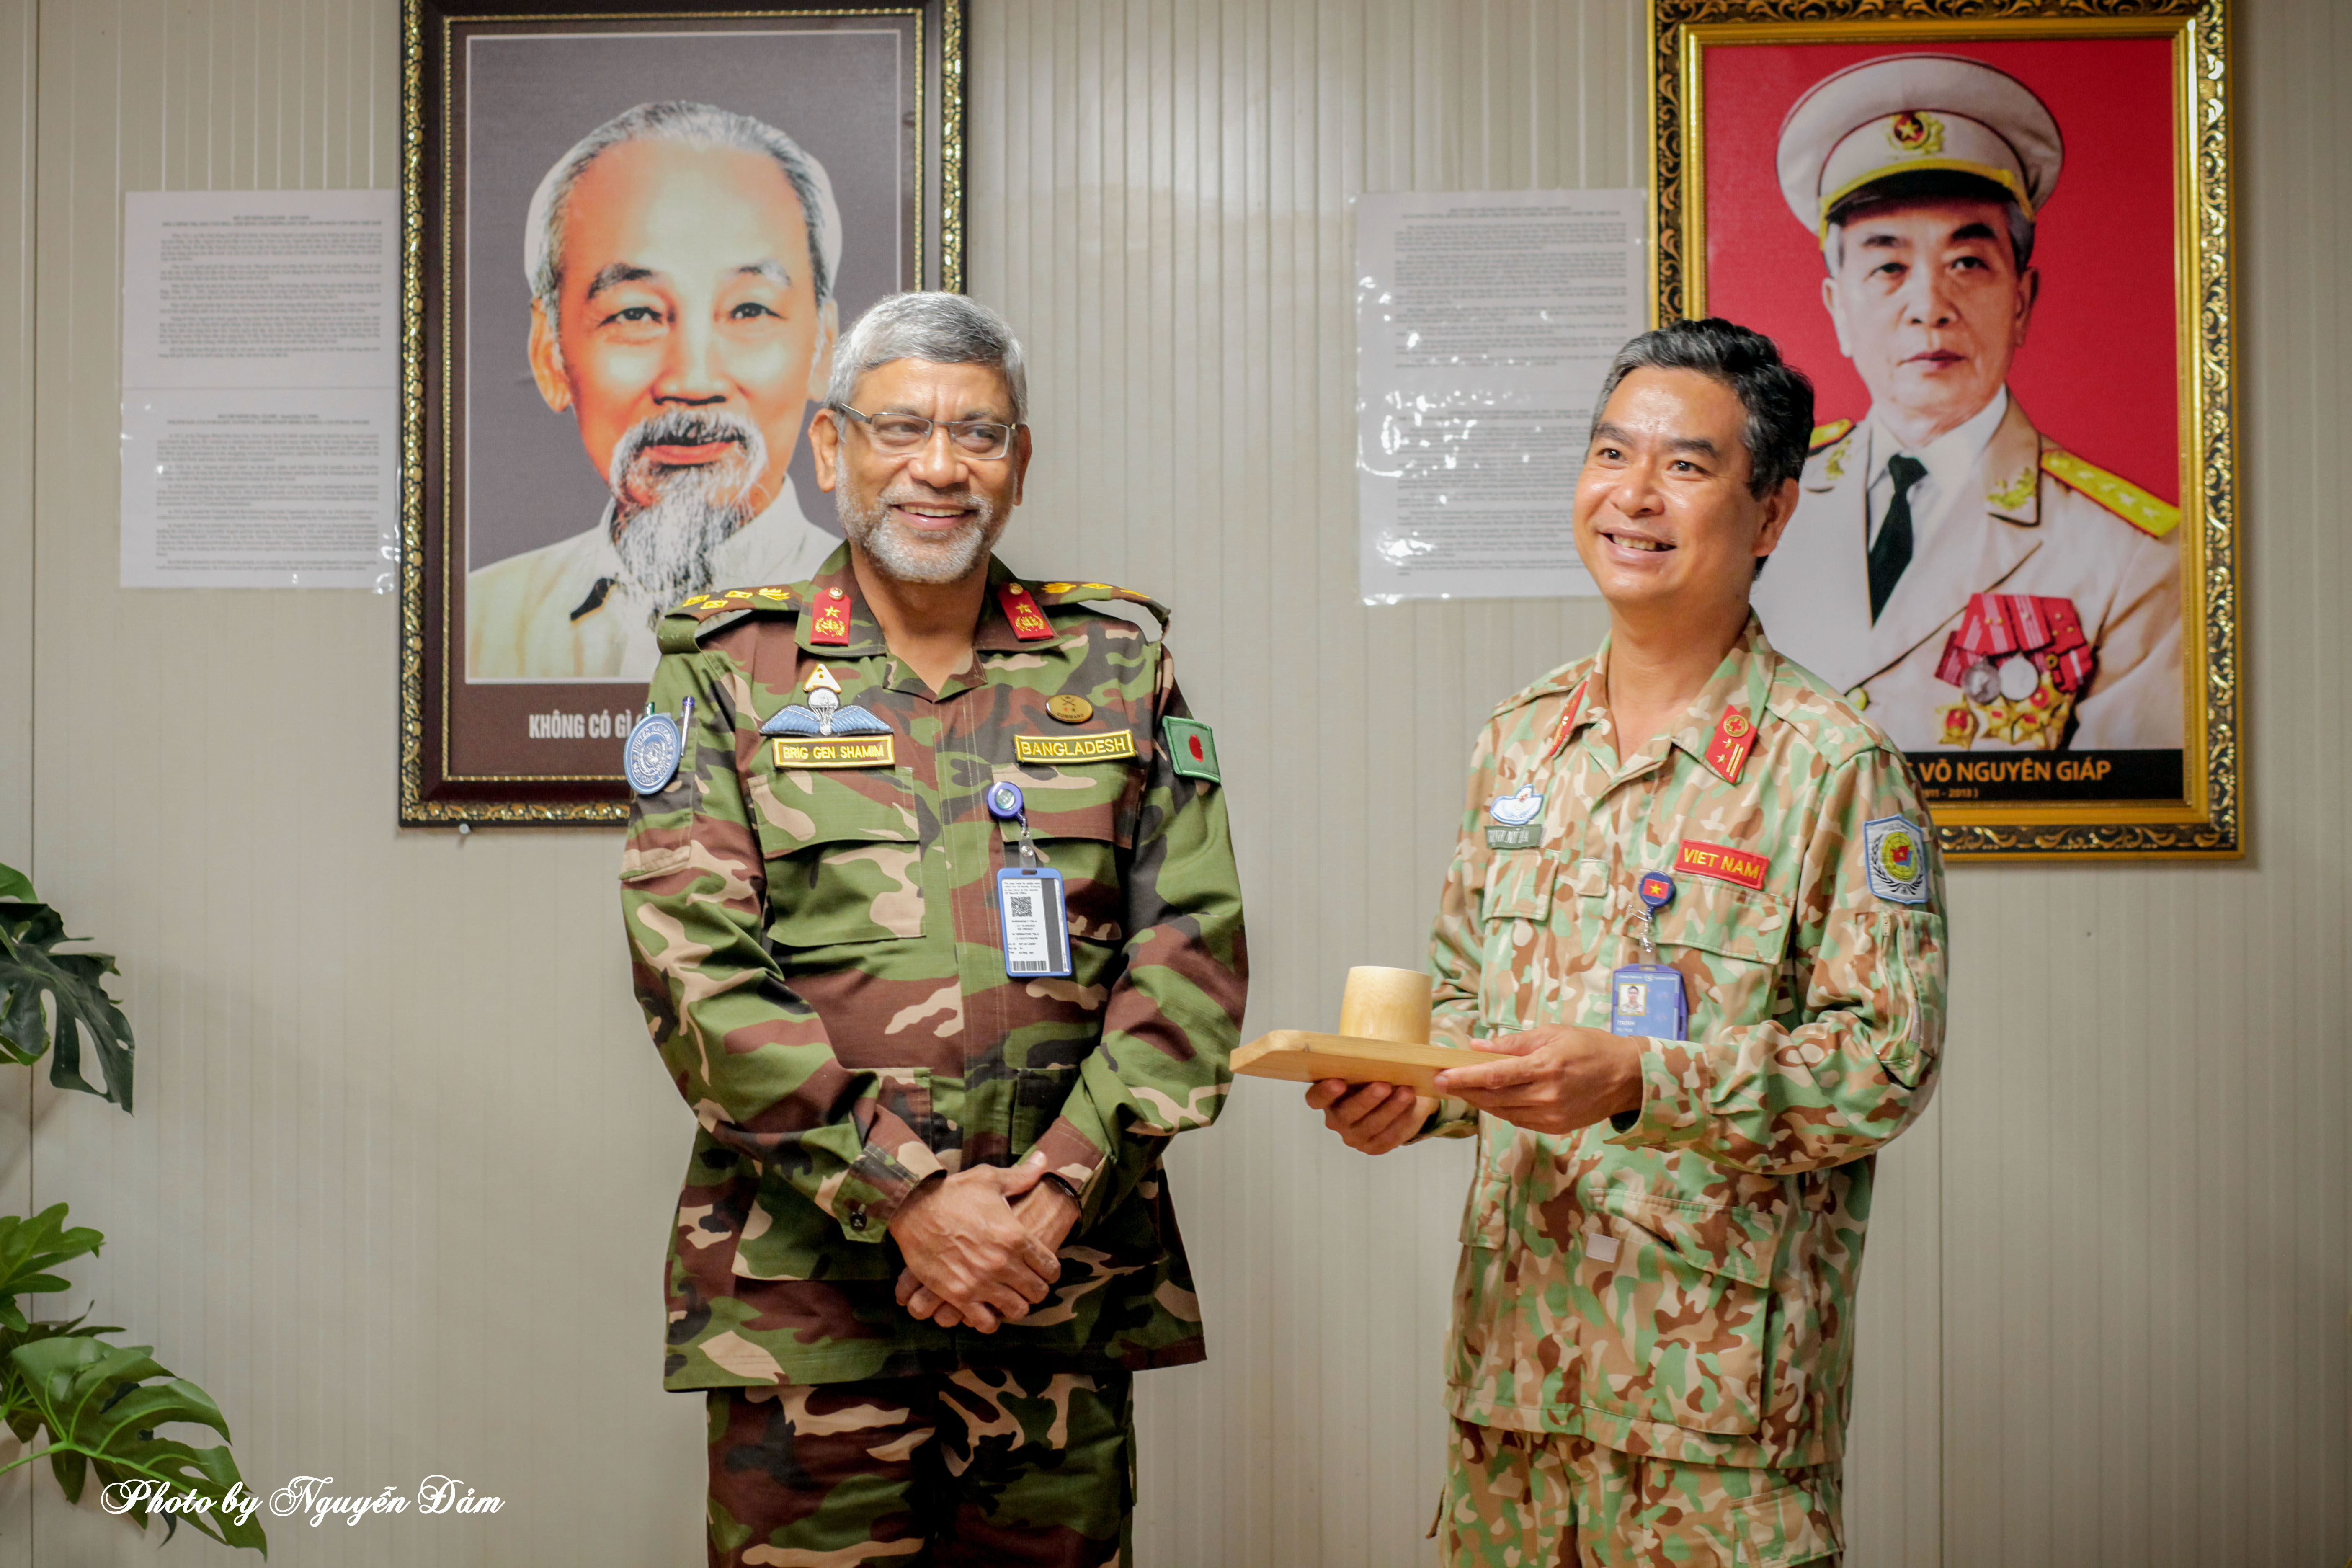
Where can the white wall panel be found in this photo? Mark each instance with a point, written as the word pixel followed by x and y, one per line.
pixel 398 1184
pixel 18 40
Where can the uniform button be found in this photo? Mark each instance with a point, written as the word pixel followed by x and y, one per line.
pixel 857 1220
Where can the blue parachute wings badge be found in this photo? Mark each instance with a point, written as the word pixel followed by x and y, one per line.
pixel 825 716
pixel 792 720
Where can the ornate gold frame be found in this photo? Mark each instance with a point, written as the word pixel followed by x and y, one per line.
pixel 503 799
pixel 2209 825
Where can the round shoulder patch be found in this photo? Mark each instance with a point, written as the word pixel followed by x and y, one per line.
pixel 654 748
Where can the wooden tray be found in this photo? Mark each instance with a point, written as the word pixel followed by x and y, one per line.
pixel 1301 1056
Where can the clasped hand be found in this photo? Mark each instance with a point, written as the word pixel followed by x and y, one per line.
pixel 1552 1079
pixel 979 1245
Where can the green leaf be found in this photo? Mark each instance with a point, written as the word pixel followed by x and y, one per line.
pixel 28 1248
pixel 15 884
pixel 101 1411
pixel 37 983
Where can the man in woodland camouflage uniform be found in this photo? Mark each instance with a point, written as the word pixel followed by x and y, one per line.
pixel 925 1241
pixel 1653 1318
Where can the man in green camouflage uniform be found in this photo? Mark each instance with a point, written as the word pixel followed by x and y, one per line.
pixel 1654 1316
pixel 925 1242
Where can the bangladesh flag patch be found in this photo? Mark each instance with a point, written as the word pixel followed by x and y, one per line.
pixel 1191 749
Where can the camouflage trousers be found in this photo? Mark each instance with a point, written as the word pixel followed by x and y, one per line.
pixel 1541 1499
pixel 976 1465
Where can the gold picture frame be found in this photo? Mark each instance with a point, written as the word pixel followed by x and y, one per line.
pixel 2207 819
pixel 530 747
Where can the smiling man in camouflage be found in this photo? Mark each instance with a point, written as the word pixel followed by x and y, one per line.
pixel 1653 1318
pixel 925 1241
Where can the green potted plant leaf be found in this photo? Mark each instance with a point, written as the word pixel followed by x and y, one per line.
pixel 86 1405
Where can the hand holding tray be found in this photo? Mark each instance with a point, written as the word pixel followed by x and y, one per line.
pixel 1383 1038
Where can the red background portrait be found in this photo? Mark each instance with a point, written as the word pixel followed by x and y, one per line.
pixel 2099 371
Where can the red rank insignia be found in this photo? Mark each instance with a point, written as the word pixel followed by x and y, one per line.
pixel 1727 753
pixel 1561 732
pixel 830 625
pixel 1029 621
pixel 1722 862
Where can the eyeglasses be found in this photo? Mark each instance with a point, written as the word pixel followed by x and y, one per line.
pixel 980 438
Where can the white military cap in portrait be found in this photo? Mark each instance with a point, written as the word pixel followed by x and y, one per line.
pixel 1912 114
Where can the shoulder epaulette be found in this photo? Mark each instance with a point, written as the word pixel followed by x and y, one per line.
pixel 686 622
pixel 2118 495
pixel 1825 434
pixel 1053 595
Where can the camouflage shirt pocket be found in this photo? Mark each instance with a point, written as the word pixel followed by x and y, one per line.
pixel 843 857
pixel 1751 925
pixel 1079 821
pixel 644 862
pixel 1905 944
pixel 1740 935
pixel 1683 1285
pixel 1519 887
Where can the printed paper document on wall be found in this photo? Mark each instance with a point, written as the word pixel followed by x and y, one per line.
pixel 1484 323
pixel 260 422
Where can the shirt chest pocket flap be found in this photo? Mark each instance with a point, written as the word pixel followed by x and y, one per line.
pixel 843 854
pixel 1734 922
pixel 1518 885
pixel 1082 819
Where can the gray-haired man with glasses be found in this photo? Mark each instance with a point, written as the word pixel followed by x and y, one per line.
pixel 936 924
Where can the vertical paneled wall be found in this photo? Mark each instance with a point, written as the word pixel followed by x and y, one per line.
pixel 398 1182
pixel 1160 202
pixel 18 39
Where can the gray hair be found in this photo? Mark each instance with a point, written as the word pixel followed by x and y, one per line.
pixel 944 329
pixel 699 125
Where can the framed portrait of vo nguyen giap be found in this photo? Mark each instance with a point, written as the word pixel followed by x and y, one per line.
pixel 633 235
pixel 1997 235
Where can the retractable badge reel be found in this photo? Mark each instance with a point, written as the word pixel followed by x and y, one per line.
pixel 1029 902
pixel 1646 998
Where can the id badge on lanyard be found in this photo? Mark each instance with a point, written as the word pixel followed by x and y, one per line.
pixel 1032 912
pixel 1648 998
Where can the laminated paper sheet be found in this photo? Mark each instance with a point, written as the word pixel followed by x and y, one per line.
pixel 261 421
pixel 1484 321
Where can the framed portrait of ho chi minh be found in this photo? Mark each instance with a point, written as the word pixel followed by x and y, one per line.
pixel 632 233
pixel 1997 235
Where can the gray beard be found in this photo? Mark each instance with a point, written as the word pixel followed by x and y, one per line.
pixel 665 548
pixel 911 559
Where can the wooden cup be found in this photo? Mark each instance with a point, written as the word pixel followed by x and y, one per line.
pixel 1385 1004
pixel 1383 1038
